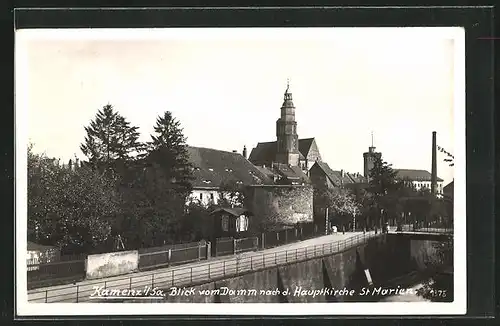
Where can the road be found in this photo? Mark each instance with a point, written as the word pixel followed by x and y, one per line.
pixel 203 271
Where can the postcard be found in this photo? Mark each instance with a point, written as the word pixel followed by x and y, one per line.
pixel 229 171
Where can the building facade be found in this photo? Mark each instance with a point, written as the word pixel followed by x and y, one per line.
pixel 288 149
pixel 213 170
pixel 420 180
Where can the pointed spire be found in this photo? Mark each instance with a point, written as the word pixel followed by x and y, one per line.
pixel 288 95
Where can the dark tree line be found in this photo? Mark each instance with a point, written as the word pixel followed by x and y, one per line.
pixel 126 189
pixel 386 199
pixel 390 199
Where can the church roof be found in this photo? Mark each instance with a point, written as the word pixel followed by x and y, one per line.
pixel 415 175
pixel 265 153
pixel 305 145
pixel 213 167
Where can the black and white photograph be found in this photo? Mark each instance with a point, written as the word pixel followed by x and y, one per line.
pixel 161 168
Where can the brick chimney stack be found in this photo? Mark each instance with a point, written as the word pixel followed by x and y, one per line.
pixel 244 151
pixel 434 165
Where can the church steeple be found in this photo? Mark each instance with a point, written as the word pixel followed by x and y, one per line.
pixel 286 132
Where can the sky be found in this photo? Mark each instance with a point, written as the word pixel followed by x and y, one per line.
pixel 226 87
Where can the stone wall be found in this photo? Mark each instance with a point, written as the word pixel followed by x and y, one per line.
pixel 386 257
pixel 280 205
pixel 112 264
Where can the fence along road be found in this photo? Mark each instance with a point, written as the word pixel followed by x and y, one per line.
pixel 203 271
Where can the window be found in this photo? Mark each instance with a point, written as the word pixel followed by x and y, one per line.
pixel 212 197
pixel 201 196
pixel 225 223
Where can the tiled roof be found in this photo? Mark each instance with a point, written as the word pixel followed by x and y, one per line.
pixel 233 211
pixel 214 167
pixel 267 171
pixel 292 173
pixel 265 153
pixel 305 145
pixel 357 178
pixel 415 175
pixel 336 177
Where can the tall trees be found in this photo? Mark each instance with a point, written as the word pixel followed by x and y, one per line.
pixel 71 208
pixel 341 203
pixel 167 151
pixel 383 188
pixel 168 175
pixel 110 139
pixel 125 188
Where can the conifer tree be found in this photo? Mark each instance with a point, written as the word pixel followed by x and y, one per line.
pixel 382 177
pixel 168 152
pixel 110 138
pixel 164 182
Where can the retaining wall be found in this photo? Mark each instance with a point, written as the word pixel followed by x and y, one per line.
pixel 111 264
pixel 386 258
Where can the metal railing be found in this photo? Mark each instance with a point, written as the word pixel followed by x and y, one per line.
pixel 199 273
pixel 438 228
pixel 42 272
pixel 165 256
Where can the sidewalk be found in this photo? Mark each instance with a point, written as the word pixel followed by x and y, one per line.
pixel 197 271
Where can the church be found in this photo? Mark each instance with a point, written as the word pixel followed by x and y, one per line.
pixel 288 158
pixel 297 161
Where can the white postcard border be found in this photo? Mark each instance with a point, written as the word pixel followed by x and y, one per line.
pixel 24 308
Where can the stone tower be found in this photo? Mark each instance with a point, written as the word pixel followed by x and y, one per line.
pixel 286 133
pixel 368 160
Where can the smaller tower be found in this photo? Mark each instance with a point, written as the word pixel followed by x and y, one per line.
pixel 368 160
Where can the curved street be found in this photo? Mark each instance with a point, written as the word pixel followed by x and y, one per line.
pixel 203 271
